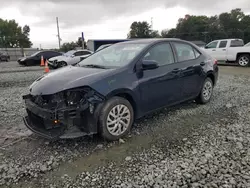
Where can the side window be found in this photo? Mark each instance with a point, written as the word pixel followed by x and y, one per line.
pixel 184 52
pixel 85 53
pixel 79 53
pixel 212 45
pixel 236 43
pixel 51 54
pixel 223 44
pixel 196 53
pixel 45 55
pixel 161 53
pixel 56 54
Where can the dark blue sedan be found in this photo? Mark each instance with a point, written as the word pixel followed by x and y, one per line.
pixel 106 92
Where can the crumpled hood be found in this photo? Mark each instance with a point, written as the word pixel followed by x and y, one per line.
pixel 60 58
pixel 67 78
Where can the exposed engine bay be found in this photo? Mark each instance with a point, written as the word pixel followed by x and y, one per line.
pixel 65 114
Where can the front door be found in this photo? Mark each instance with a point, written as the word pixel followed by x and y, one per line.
pixel 222 51
pixel 161 86
pixel 212 49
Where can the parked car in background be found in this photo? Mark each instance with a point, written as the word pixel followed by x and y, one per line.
pixel 72 57
pixel 35 59
pixel 230 51
pixel 4 57
pixel 107 91
pixel 100 48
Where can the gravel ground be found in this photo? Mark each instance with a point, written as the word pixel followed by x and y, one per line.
pixel 186 146
pixel 12 86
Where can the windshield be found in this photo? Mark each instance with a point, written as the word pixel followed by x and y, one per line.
pixel 36 53
pixel 103 46
pixel 117 55
pixel 248 44
pixel 69 53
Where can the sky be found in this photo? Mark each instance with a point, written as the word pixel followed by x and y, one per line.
pixel 104 19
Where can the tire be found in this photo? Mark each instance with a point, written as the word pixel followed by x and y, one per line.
pixel 62 64
pixel 206 92
pixel 243 60
pixel 105 115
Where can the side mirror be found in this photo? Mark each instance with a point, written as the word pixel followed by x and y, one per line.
pixel 149 64
pixel 72 56
pixel 205 47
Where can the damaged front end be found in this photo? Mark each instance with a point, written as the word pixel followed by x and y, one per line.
pixel 67 114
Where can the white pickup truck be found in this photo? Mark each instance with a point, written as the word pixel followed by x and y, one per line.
pixel 229 50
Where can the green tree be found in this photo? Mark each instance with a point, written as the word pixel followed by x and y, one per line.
pixel 72 45
pixel 69 46
pixel 79 42
pixel 233 24
pixel 142 30
pixel 12 35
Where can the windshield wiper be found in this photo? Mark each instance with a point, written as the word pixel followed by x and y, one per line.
pixel 95 66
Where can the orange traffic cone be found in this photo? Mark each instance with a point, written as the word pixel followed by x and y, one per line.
pixel 46 69
pixel 42 62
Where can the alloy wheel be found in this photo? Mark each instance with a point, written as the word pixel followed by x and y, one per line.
pixel 243 61
pixel 207 90
pixel 118 120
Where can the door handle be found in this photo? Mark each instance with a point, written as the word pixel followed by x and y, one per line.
pixel 224 49
pixel 202 63
pixel 213 50
pixel 176 70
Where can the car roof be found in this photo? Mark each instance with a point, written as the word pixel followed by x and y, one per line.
pixel 150 40
pixel 82 50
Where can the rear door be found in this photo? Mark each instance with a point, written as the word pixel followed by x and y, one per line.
pixel 190 63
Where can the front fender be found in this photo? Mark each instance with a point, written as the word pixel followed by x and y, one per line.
pixel 120 92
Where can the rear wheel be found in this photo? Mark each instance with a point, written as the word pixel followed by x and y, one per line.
pixel 116 118
pixel 244 60
pixel 206 92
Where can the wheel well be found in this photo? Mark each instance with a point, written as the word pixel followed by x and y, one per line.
pixel 212 77
pixel 130 99
pixel 243 53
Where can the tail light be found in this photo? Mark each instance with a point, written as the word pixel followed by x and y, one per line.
pixel 215 62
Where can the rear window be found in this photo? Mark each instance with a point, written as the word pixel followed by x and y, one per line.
pixel 236 43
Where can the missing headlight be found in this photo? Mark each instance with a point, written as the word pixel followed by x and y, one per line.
pixel 73 97
pixel 82 98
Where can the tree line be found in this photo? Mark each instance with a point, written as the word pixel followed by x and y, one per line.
pixel 233 24
pixel 14 36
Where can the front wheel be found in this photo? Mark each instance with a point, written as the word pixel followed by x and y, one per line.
pixel 243 60
pixel 116 118
pixel 206 92
pixel 62 64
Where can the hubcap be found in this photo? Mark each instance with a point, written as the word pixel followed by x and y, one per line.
pixel 207 90
pixel 243 61
pixel 118 120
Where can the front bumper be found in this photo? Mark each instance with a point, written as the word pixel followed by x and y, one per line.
pixel 21 62
pixel 61 123
pixel 52 65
